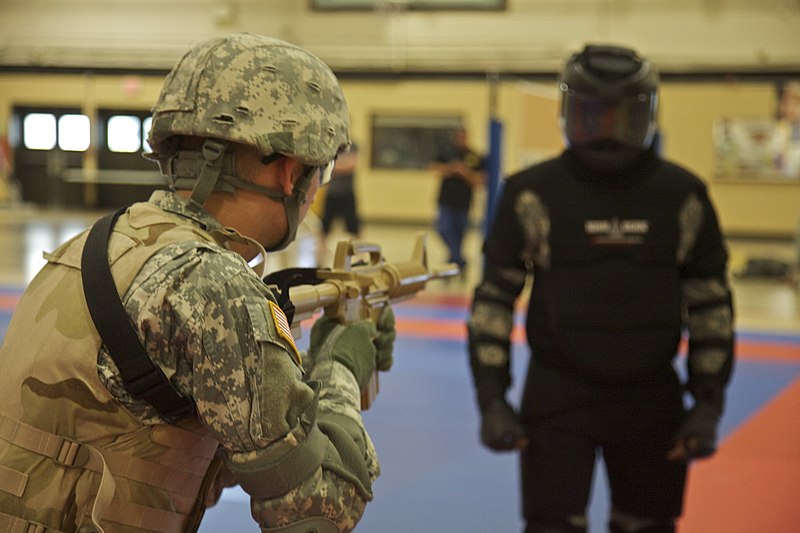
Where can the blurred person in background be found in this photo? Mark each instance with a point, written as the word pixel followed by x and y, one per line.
pixel 625 252
pixel 461 170
pixel 340 200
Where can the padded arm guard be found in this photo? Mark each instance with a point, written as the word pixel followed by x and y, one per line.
pixel 490 325
pixel 334 442
pixel 711 339
pixel 282 466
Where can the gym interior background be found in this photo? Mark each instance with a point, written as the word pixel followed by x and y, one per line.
pixel 78 77
pixel 726 65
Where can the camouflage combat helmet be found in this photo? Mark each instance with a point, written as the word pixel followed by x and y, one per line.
pixel 253 90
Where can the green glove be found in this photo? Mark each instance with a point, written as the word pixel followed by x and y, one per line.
pixel 699 431
pixel 384 342
pixel 351 344
pixel 500 429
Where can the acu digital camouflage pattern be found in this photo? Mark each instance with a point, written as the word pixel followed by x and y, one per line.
pixel 257 91
pixel 337 403
pixel 205 314
pixel 345 497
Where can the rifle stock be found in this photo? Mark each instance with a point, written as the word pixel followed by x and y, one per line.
pixel 355 289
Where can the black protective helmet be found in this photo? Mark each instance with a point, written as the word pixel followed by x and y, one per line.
pixel 609 97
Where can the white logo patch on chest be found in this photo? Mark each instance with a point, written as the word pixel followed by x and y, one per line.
pixel 616 232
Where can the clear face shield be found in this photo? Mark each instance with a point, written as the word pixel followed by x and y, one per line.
pixel 589 120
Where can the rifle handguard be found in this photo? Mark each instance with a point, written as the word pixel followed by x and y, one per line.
pixel 356 289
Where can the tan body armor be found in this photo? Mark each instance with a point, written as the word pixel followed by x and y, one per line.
pixel 72 459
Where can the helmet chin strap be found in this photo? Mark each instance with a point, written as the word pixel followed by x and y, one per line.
pixel 212 169
pixel 214 153
pixel 291 205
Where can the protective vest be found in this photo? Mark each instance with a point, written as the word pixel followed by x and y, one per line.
pixel 71 457
pixel 608 307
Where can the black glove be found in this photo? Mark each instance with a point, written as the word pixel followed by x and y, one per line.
pixel 698 433
pixel 500 429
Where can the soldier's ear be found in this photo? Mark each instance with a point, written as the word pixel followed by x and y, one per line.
pixel 288 170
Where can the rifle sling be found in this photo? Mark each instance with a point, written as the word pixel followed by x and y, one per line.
pixel 141 377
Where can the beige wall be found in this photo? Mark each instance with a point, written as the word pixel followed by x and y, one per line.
pixel 687 114
pixel 527 36
pixel 84 91
pixel 409 195
pixel 528 111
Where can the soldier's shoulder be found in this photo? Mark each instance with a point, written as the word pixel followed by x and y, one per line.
pixel 681 176
pixel 539 172
pixel 199 270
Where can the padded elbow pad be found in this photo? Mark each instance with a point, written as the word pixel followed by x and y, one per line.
pixel 283 465
pixel 347 455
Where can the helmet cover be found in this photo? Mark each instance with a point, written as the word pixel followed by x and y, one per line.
pixel 257 91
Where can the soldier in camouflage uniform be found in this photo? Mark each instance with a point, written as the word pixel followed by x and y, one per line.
pixel 246 129
pixel 625 251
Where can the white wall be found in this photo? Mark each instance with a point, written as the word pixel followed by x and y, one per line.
pixel 530 35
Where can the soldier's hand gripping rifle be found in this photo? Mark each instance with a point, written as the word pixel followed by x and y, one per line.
pixel 358 286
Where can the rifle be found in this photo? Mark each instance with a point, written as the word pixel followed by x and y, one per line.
pixel 358 289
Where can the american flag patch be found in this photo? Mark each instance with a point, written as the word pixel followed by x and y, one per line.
pixel 284 330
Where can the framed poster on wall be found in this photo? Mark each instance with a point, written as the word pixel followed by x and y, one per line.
pixel 762 149
pixel 408 141
pixel 757 149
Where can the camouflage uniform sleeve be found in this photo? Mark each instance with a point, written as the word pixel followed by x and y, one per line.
pixel 707 301
pixel 340 419
pixel 517 236
pixel 210 323
pixel 250 390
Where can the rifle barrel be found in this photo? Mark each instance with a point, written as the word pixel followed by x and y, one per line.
pixel 308 298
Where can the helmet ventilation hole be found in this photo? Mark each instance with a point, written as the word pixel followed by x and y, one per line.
pixel 242 110
pixel 314 86
pixel 223 119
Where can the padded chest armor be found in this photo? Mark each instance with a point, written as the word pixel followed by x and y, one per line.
pixel 71 458
pixel 609 305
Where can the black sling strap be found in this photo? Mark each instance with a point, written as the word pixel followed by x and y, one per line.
pixel 142 378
